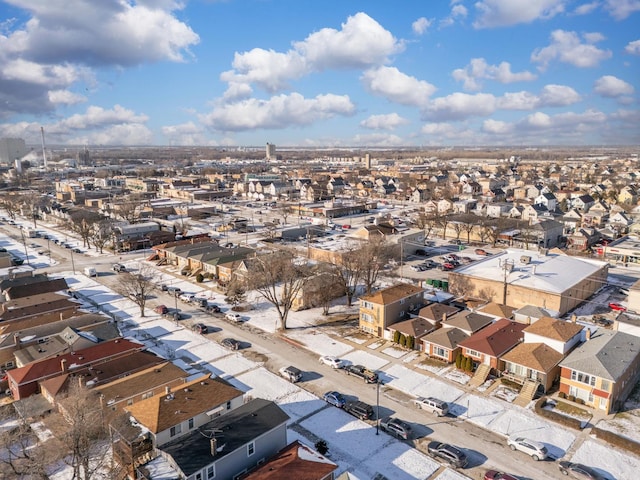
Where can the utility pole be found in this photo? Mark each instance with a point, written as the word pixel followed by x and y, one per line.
pixel 507 267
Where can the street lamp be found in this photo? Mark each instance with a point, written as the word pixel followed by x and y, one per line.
pixel 378 382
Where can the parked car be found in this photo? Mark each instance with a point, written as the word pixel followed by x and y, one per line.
pixel 396 427
pixel 200 328
pixel 577 470
pixel 291 373
pixel 367 375
pixel 333 362
pixel 118 267
pixel 536 450
pixel 421 252
pixel 360 410
pixel 496 475
pixel 231 343
pixel 212 308
pixel 447 266
pixel 171 290
pixel 432 405
pixel 617 307
pixel 480 251
pixel 430 264
pixel 234 317
pixel 449 453
pixel 161 309
pixel 187 297
pixel 200 302
pixel 334 398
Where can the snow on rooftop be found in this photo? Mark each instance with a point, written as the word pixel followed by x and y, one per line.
pixel 552 272
pixel 310 455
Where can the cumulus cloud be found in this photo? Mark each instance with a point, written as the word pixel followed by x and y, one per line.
pixel 378 140
pixel 504 13
pixel 567 47
pixel 633 47
pixel 586 8
pixel 496 127
pixel 479 69
pixel 612 87
pixel 421 25
pixel 361 43
pixel 458 12
pixel 115 126
pixel 278 112
pixel 392 84
pixel 65 97
pixel 61 42
pixel 458 106
pixel 186 134
pixel 621 9
pixel 384 122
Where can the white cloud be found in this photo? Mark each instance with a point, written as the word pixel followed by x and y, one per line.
pixel 421 25
pixel 186 134
pixel 442 129
pixel 397 87
pixel 278 112
pixel 503 13
pixel 362 42
pixel 60 42
pixel 458 106
pixel 633 47
pixel 586 8
pixel 479 69
pixel 567 48
pixel 384 122
pixel 378 140
pixel 65 97
pixel 610 86
pixel 237 91
pixel 558 96
pixel 621 9
pixel 458 12
pixel 98 117
pixel 496 127
pixel 129 134
pixel 593 37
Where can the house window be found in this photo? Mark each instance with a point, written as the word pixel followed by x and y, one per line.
pixel 147 395
pixel 199 476
pixel 367 305
pixel 583 378
pixel 211 472
pixel 251 449
pixel 472 353
pixel 366 318
pixel 175 430
pixel 605 385
pixel 440 352
pixel 130 401
pixel 190 423
pixel 401 301
pixel 229 405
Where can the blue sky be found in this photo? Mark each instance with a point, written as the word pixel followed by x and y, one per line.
pixel 332 73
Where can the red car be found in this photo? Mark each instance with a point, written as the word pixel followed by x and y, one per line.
pixel 617 307
pixel 448 266
pixel 496 475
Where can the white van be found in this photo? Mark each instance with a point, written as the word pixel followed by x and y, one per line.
pixel 90 272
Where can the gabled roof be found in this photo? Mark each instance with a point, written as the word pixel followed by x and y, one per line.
pixel 296 461
pixel 53 366
pixel 532 311
pixel 162 411
pixel 392 294
pixel 537 356
pixel 446 337
pixel 435 311
pixel 496 339
pixel 607 354
pixel 554 329
pixel 497 310
pixel 192 452
pixel 468 321
pixel 416 327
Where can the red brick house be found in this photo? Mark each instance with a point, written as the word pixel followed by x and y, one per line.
pixel 487 345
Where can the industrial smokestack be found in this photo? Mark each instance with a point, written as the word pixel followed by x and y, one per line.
pixel 44 152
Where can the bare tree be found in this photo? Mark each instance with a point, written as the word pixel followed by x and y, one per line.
pixel 373 257
pixel 11 204
pixel 101 233
pixel 278 278
pixel 285 211
pixel 82 222
pixel 468 228
pixel 442 221
pixel 80 428
pixel 349 272
pixel 137 286
pixel 129 209
pixel 458 227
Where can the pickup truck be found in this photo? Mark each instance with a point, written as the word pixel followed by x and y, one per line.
pixel 367 375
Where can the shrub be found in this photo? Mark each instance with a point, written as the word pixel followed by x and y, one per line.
pixel 468 367
pixel 396 336
pixel 411 342
pixel 199 278
pixel 459 358
pixel 555 416
pixel 617 440
pixel 562 395
pixel 403 340
pixel 571 398
pixel 321 447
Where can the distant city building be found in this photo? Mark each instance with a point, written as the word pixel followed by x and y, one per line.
pixel 12 149
pixel 271 151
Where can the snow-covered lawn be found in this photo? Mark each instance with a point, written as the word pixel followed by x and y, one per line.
pixel 358 357
pixel 449 474
pixel 435 368
pixel 319 342
pixel 358 341
pixel 625 424
pixel 610 462
pixel 300 404
pixel 505 393
pixel 419 385
pixel 458 376
pixel 231 365
pixel 261 383
pixel 375 345
pixel 394 352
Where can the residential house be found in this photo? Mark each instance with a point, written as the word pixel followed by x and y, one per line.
pixel 602 371
pixel 24 381
pixel 487 345
pixel 583 203
pixel 572 220
pixel 467 321
pixel 296 461
pixel 583 239
pixel 546 342
pixel 498 209
pixel 39 283
pixel 496 310
pixel 530 314
pixel 419 195
pixel 416 327
pixel 390 305
pixel 443 344
pixel 628 195
pixel 231 445
pixel 548 200
pixel 180 410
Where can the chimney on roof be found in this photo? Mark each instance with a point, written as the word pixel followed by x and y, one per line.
pixel 63 364
pixel 574 318
pixel 587 334
pixel 167 390
pixel 16 339
pixel 214 446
